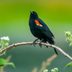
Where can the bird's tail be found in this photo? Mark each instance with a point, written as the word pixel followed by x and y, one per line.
pixel 51 41
pixel 55 51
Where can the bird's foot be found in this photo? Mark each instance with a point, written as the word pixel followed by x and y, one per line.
pixel 40 44
pixel 34 42
pixel 46 46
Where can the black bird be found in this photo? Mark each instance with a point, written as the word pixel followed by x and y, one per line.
pixel 40 30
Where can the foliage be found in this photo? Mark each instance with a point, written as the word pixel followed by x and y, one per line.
pixel 68 35
pixel 4 42
pixel 69 64
pixel 55 70
pixel 69 40
pixel 52 70
pixel 4 63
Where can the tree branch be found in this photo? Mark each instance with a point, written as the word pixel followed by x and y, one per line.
pixel 31 43
pixel 44 64
pixel 47 62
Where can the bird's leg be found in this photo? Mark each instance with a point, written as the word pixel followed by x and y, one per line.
pixel 40 43
pixel 47 46
pixel 34 42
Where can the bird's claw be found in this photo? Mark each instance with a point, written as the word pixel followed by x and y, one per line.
pixel 40 44
pixel 34 43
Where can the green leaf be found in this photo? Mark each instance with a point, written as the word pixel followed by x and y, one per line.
pixel 69 64
pixel 11 64
pixel 2 62
pixel 70 44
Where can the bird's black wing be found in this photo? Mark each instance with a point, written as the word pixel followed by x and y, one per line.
pixel 44 29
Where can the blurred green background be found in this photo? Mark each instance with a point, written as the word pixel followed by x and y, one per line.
pixel 14 22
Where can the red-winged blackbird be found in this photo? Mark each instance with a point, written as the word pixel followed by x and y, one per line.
pixel 40 30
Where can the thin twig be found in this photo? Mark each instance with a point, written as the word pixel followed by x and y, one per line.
pixel 47 62
pixel 44 64
pixel 31 43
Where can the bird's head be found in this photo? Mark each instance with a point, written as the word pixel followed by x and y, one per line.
pixel 33 15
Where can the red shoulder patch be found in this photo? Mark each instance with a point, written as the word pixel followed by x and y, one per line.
pixel 38 23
